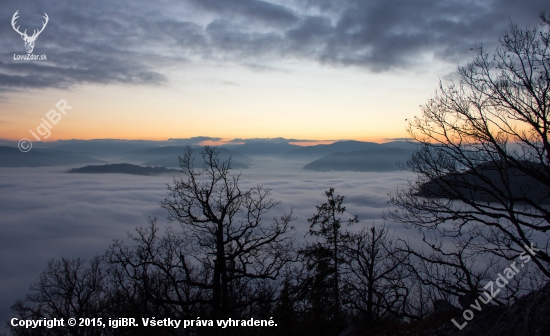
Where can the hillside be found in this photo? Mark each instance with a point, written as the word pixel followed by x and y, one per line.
pixel 123 168
pixel 489 182
pixel 376 160
pixel 169 157
pixel 13 157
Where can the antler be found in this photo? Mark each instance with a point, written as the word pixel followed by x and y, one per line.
pixel 36 33
pixel 15 17
pixel 43 26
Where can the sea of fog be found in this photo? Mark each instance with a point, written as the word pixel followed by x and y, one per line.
pixel 46 213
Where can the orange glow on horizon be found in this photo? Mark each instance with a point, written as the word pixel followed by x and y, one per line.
pixel 224 141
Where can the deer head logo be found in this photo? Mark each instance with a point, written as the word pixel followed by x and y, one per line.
pixel 29 40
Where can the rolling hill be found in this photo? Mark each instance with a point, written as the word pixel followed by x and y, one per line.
pixel 123 168
pixel 259 148
pixel 374 160
pixel 490 182
pixel 169 157
pixel 13 157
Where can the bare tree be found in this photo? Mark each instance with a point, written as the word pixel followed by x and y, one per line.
pixel 65 289
pixel 451 271
pixel 376 275
pixel 227 233
pixel 154 276
pixel 484 164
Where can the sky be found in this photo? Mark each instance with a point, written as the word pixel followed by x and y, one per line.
pixel 309 69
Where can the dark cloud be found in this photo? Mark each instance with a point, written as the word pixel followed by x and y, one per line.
pixel 83 44
pixel 255 67
pixel 274 140
pixel 128 42
pixel 375 35
pixel 228 83
pixel 261 11
pixel 217 81
pixel 193 140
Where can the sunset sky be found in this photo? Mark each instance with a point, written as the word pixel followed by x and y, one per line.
pixel 310 69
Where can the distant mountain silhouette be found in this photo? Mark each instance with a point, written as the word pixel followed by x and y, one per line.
pixel 262 148
pixel 100 147
pixel 104 148
pixel 123 168
pixel 165 153
pixel 375 160
pixel 153 153
pixel 401 144
pixel 318 151
pixel 13 157
pixel 169 157
pixel 490 182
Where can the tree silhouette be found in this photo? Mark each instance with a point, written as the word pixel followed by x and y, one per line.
pixel 324 258
pixel 67 288
pixel 227 232
pixel 376 276
pixel 484 164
